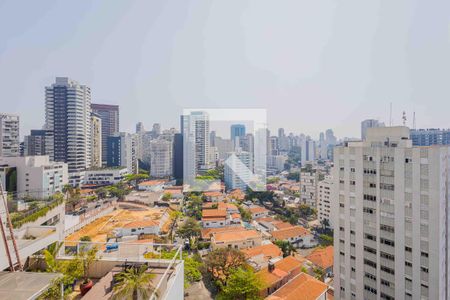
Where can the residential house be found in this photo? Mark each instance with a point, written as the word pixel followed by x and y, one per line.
pixel 214 196
pixel 277 273
pixel 323 259
pixel 212 218
pixel 258 257
pixel 298 236
pixel 236 239
pixel 258 212
pixel 302 287
pixel 138 228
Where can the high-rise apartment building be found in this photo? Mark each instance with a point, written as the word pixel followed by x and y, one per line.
pixel 369 123
pixel 428 137
pixel 237 131
pixel 110 123
pixel 161 155
pixel 196 144
pixel 121 149
pixel 390 216
pixel 308 150
pixel 324 201
pixel 178 157
pixel 96 143
pixel 309 187
pixel 9 135
pixel 34 144
pixel 238 170
pixel 68 123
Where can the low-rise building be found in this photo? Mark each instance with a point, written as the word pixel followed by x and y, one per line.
pixel 323 259
pixel 258 257
pixel 213 218
pixel 302 287
pixel 33 176
pixel 236 239
pixel 105 176
pixel 152 185
pixel 138 228
pixel 298 236
pixel 214 196
pixel 277 273
pixel 258 212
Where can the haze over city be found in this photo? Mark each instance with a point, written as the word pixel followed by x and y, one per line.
pixel 312 65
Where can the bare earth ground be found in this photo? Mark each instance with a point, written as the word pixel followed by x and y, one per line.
pixel 100 228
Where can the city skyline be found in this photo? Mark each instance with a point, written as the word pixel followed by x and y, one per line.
pixel 340 72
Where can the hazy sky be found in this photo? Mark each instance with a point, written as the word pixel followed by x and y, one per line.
pixel 312 64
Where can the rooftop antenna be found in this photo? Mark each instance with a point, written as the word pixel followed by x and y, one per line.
pixel 414 120
pixel 404 118
pixel 390 114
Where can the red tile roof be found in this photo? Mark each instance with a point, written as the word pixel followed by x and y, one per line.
pixel 284 234
pixel 231 236
pixel 301 287
pixel 268 251
pixel 322 257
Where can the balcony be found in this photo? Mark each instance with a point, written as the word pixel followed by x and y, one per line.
pixel 113 258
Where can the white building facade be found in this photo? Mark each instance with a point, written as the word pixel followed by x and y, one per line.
pixel 390 215
pixel 68 123
pixel 324 201
pixel 161 158
pixel 308 187
pixel 238 170
pixel 105 176
pixel 9 135
pixel 36 176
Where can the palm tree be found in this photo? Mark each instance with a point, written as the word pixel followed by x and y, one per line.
pixel 133 284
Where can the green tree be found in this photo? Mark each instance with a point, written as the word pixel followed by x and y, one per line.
pixel 134 179
pixel 285 247
pixel 190 228
pixel 242 284
pixel 246 215
pixel 166 196
pixel 221 262
pixel 134 283
pixel 325 240
pixel 85 238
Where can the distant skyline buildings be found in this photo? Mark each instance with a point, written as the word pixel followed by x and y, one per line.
pixel 369 123
pixel 237 131
pixel 9 135
pixel 110 116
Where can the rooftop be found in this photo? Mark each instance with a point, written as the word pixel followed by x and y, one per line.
pixel 268 251
pixel 301 287
pixel 290 232
pixel 257 209
pixel 208 232
pixel 24 285
pixel 152 182
pixel 282 269
pixel 322 257
pixel 207 213
pixel 231 236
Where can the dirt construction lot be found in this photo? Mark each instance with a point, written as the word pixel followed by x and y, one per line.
pixel 100 228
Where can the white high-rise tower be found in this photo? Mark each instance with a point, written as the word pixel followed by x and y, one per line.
pixel 390 217
pixel 68 123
